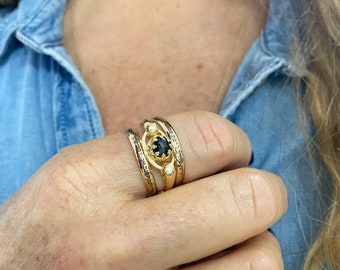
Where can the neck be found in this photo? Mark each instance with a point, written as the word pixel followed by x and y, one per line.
pixel 149 48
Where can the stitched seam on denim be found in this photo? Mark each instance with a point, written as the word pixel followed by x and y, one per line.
pixel 89 113
pixel 240 94
pixel 63 121
pixel 54 69
pixel 263 73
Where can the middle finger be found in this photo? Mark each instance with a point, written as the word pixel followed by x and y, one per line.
pixel 203 218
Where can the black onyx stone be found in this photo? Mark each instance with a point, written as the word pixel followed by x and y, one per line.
pixel 162 146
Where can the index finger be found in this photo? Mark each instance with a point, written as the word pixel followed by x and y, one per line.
pixel 209 142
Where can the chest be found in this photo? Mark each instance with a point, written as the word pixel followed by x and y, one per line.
pixel 141 60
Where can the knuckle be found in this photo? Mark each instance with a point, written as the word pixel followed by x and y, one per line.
pixel 70 156
pixel 71 172
pixel 271 194
pixel 213 134
pixel 75 153
pixel 264 197
pixel 256 196
pixel 263 260
pixel 220 139
pixel 102 155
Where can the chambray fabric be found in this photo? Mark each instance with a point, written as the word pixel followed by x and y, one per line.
pixel 45 106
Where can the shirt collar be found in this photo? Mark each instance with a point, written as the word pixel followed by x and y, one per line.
pixel 39 23
pixel 269 54
pixel 277 36
pixel 36 23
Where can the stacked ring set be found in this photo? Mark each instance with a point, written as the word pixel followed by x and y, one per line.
pixel 158 148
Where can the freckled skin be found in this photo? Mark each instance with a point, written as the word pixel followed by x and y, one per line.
pixel 200 66
pixel 181 55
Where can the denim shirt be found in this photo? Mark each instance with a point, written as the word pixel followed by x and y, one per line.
pixel 46 106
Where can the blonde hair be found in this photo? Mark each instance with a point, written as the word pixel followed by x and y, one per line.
pixel 320 46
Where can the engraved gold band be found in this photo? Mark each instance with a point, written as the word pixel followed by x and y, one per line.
pixel 158 147
pixel 147 175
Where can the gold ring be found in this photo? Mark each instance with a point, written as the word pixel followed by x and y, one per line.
pixel 177 149
pixel 163 151
pixel 160 148
pixel 147 175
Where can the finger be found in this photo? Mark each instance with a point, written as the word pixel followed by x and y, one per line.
pixel 261 252
pixel 209 143
pixel 205 217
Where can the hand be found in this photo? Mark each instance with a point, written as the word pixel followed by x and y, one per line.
pixel 86 208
